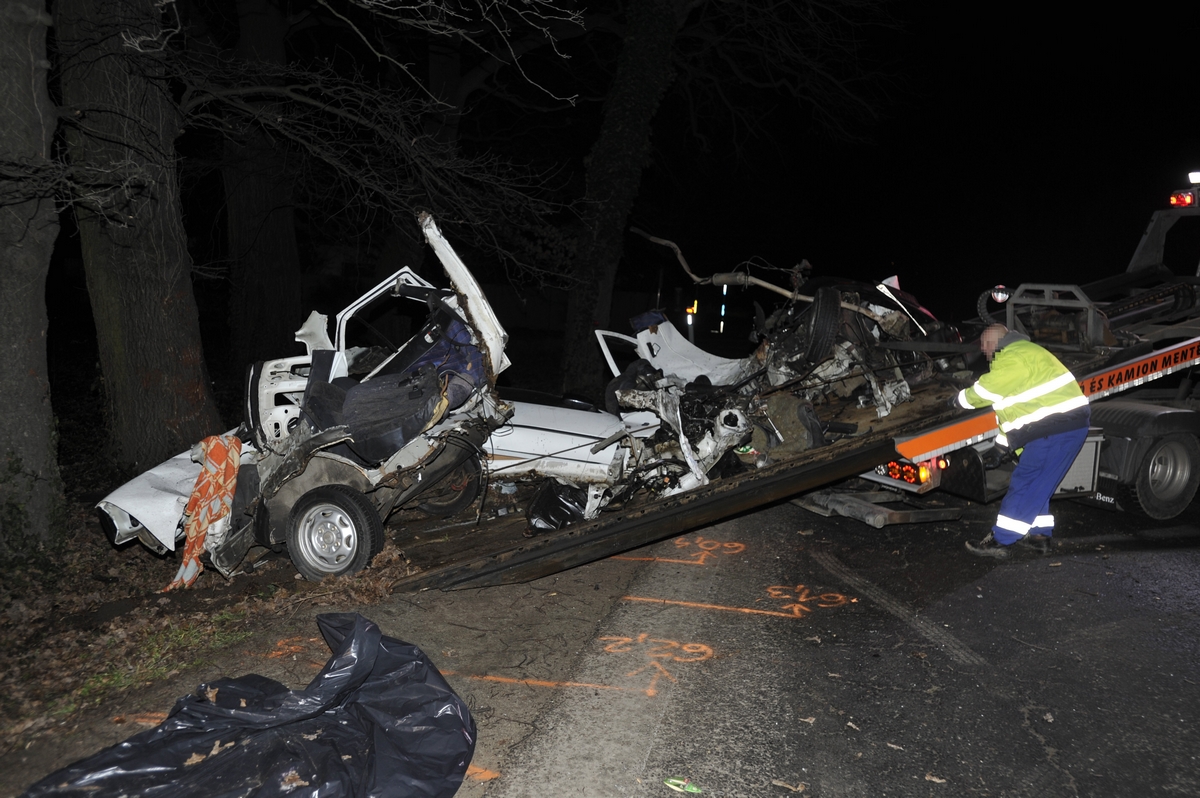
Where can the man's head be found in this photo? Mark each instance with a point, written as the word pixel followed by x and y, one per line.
pixel 990 340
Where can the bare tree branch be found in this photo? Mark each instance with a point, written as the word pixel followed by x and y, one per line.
pixel 497 29
pixel 368 146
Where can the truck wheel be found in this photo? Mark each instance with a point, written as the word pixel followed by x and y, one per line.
pixel 333 530
pixel 455 493
pixel 1167 478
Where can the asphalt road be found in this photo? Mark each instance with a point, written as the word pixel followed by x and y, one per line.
pixel 782 653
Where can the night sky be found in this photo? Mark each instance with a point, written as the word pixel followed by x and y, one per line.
pixel 1024 144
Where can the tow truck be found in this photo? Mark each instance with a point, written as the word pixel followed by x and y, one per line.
pixel 1117 335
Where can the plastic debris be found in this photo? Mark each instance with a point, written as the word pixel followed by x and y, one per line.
pixel 379 720
pixel 682 785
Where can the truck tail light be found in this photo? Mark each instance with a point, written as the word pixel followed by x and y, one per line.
pixel 1183 199
pixel 916 474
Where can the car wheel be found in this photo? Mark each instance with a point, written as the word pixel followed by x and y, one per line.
pixel 1166 479
pixel 455 493
pixel 333 530
pixel 824 321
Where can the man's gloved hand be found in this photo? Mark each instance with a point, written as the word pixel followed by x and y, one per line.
pixel 953 402
pixel 993 457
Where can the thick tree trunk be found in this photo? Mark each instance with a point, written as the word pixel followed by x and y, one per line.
pixel 614 175
pixel 31 499
pixel 264 260
pixel 134 247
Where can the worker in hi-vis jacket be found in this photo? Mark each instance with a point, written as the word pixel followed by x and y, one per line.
pixel 1043 419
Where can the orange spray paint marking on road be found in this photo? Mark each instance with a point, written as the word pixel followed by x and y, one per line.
pixel 798 608
pixel 706 551
pixel 701 606
pixel 530 682
pixel 697 652
pixel 655 650
pixel 658 671
pixel 802 599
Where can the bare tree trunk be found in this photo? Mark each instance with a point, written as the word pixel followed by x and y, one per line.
pixel 31 499
pixel 614 174
pixel 134 246
pixel 264 260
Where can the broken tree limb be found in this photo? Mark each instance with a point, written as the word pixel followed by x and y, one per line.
pixel 741 278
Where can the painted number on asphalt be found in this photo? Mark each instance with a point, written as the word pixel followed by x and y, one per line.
pixel 703 549
pixel 695 551
pixel 801 600
pixel 656 650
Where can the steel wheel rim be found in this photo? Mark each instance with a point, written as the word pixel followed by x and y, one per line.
pixel 327 538
pixel 1170 470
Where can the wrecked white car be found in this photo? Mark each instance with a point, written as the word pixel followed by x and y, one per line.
pixel 338 438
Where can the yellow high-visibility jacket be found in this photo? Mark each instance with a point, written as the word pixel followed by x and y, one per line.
pixel 1032 393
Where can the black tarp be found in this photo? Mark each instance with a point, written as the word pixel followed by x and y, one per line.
pixel 378 720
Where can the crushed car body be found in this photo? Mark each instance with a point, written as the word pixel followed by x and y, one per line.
pixel 357 429
pixel 336 439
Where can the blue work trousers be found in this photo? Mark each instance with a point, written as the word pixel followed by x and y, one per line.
pixel 1025 509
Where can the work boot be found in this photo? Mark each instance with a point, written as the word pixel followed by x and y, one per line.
pixel 988 547
pixel 1039 544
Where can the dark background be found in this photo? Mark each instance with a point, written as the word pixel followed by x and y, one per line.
pixel 1024 143
pixel 1016 144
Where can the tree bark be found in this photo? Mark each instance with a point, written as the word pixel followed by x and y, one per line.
pixel 264 260
pixel 614 175
pixel 134 247
pixel 31 497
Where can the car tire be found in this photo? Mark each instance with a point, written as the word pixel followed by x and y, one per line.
pixel 455 492
pixel 1166 479
pixel 333 530
pixel 822 325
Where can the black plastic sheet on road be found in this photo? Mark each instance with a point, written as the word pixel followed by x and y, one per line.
pixel 378 720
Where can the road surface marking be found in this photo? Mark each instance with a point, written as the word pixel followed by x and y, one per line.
pixel 530 682
pixel 665 649
pixel 659 649
pixel 700 606
pixel 802 598
pixel 658 671
pixel 706 549
pixel 798 608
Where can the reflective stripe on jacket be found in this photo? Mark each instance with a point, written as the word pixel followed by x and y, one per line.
pixel 1032 393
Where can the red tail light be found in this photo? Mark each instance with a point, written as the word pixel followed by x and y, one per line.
pixel 1183 199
